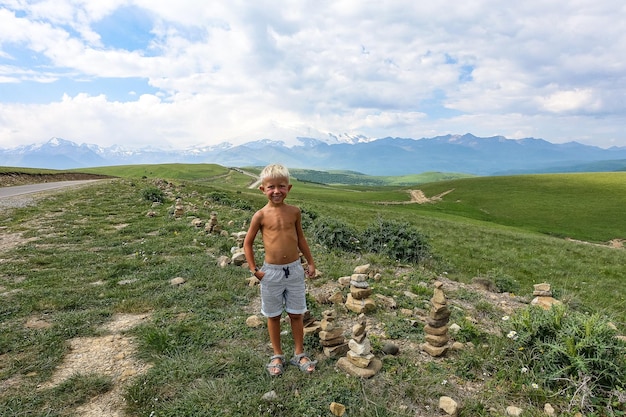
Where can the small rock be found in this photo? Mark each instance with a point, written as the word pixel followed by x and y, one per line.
pixel 270 396
pixel 391 349
pixel 513 411
pixel 254 321
pixel 177 281
pixel 337 409
pixel 548 409
pixel 449 406
pixel 362 269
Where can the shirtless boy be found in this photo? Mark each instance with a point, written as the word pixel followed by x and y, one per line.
pixel 282 275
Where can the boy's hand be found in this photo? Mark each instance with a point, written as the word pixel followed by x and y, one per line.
pixel 310 272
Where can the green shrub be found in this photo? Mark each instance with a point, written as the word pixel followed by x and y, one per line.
pixel 153 194
pixel 398 240
pixel 573 354
pixel 334 234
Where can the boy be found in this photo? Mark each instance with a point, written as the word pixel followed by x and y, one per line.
pixel 282 275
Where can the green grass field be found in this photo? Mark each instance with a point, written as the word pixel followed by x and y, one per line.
pixel 79 257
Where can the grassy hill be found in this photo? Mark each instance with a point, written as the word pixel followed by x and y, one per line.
pixel 81 258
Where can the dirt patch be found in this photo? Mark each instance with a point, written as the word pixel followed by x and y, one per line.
pixel 418 197
pixel 112 355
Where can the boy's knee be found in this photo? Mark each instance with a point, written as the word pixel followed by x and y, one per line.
pixel 293 316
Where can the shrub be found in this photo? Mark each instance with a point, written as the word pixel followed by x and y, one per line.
pixel 573 354
pixel 153 194
pixel 397 240
pixel 334 234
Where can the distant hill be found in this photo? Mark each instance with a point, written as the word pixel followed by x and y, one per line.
pixel 389 156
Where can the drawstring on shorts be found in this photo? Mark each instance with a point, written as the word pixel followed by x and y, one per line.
pixel 286 270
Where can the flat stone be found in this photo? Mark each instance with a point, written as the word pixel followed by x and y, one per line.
pixel 332 351
pixel 331 334
pixel 359 277
pixel 440 314
pixel 544 286
pixel 362 269
pixel 177 281
pixel 360 306
pixel 359 284
pixel 437 341
pixel 360 293
pixel 435 331
pixel 363 348
pixel 332 342
pixel 374 367
pixel 336 298
pixel 434 351
pixel 545 302
pixel 361 361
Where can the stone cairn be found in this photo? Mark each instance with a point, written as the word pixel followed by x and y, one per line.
pixel 543 296
pixel 436 327
pixel 179 209
pixel 331 335
pixel 212 226
pixel 360 361
pixel 359 300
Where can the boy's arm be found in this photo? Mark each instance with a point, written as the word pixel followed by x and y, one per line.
pixel 248 243
pixel 303 245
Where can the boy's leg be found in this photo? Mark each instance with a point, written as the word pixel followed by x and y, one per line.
pixel 273 328
pixel 297 330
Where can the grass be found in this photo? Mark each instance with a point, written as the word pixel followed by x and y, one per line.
pixel 205 360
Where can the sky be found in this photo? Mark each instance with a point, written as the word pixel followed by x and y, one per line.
pixel 186 73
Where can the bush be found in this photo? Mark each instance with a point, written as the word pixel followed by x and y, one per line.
pixel 153 194
pixel 571 354
pixel 398 240
pixel 334 234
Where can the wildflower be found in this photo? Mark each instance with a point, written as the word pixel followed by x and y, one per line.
pixel 505 318
pixel 512 335
pixel 444 382
pixel 535 386
pixel 524 369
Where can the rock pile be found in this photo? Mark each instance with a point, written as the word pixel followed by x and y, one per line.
pixel 543 296
pixel 331 335
pixel 311 326
pixel 436 327
pixel 179 209
pixel 360 361
pixel 212 226
pixel 359 300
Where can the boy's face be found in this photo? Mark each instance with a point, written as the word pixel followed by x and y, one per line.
pixel 275 189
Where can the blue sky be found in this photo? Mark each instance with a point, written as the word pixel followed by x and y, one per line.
pixel 193 73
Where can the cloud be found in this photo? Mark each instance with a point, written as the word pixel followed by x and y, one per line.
pixel 230 70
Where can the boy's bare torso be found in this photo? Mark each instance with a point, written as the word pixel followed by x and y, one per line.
pixel 278 225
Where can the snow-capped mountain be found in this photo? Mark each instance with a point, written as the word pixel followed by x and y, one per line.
pixel 384 156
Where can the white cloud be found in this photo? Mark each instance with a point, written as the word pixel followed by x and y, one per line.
pixel 230 69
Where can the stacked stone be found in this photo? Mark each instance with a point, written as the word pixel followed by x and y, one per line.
pixel 436 328
pixel 179 209
pixel 543 296
pixel 212 226
pixel 311 326
pixel 331 335
pixel 360 361
pixel 359 299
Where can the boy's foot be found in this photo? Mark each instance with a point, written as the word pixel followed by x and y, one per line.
pixel 276 365
pixel 303 362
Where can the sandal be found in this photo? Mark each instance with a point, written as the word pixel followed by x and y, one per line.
pixel 304 366
pixel 275 369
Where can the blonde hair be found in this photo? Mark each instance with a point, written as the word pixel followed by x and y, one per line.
pixel 274 171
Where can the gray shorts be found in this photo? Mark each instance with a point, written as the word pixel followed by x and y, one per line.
pixel 282 287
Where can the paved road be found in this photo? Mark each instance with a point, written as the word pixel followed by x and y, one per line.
pixel 35 188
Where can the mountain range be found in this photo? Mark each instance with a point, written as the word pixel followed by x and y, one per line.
pixel 467 154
